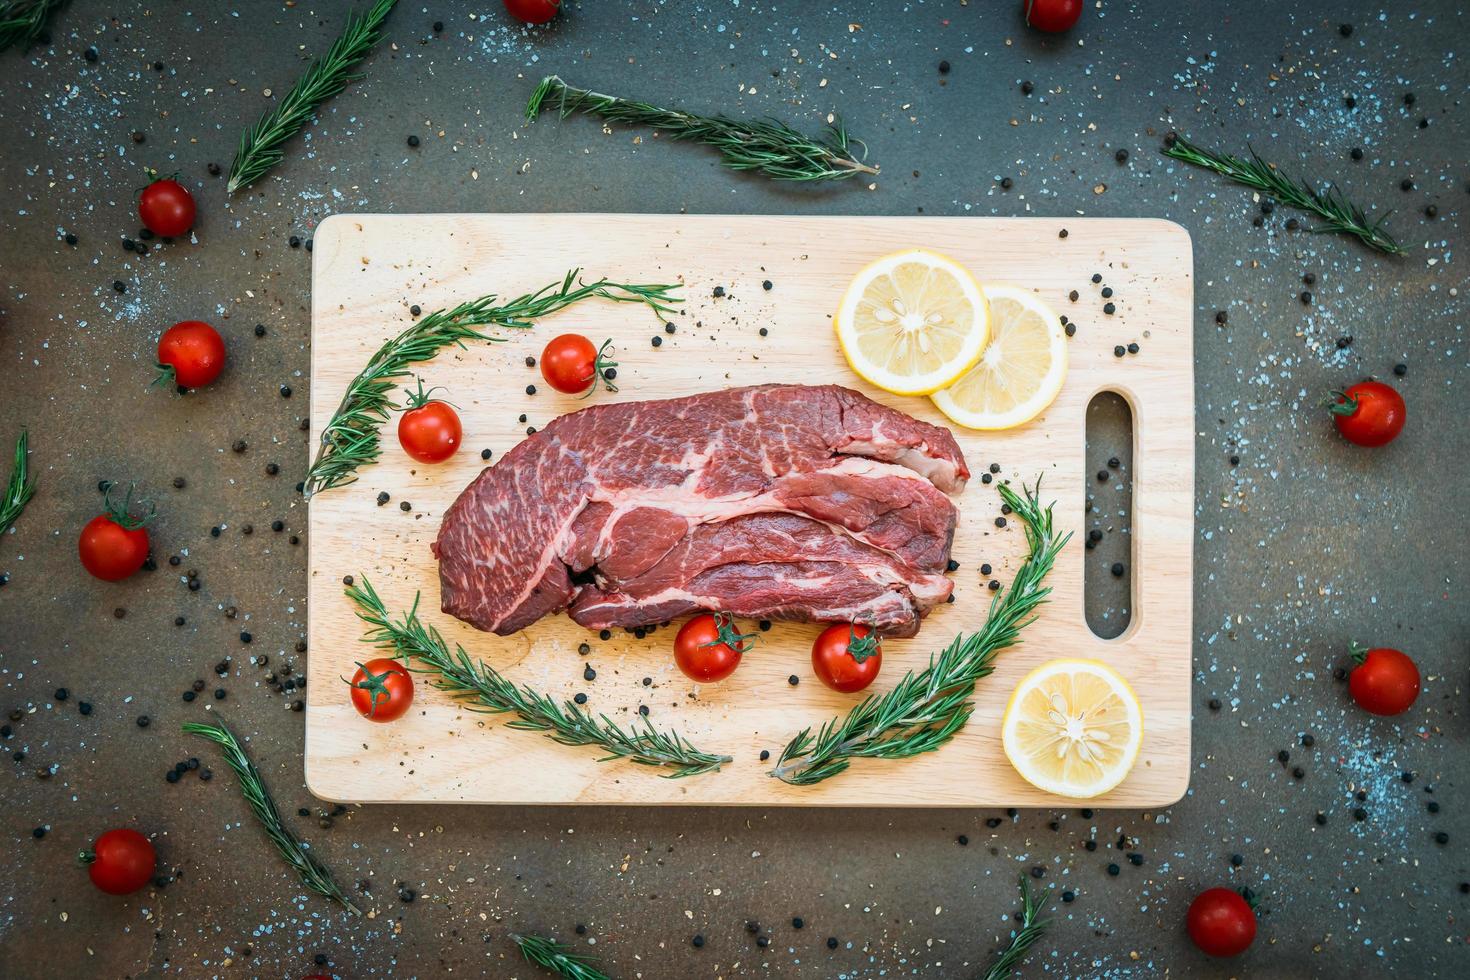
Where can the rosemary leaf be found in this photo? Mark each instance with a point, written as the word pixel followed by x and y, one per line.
pixel 769 147
pixel 21 486
pixel 925 709
pixel 1032 927
pixel 350 439
pixel 557 958
pixel 487 690
pixel 23 21
pixel 1337 213
pixel 261 145
pixel 313 872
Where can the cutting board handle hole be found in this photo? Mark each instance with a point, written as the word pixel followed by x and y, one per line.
pixel 1107 519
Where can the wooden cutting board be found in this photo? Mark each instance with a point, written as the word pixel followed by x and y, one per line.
pixel 369 269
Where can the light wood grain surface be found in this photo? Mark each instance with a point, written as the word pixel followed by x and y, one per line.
pixel 369 269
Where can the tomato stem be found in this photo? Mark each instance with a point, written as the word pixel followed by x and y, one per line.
pixel 600 365
pixel 85 858
pixel 729 635
pixel 123 516
pixel 420 398
pixel 1341 403
pixel 860 648
pixel 1357 651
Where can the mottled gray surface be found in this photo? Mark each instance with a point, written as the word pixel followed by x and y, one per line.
pixel 1307 542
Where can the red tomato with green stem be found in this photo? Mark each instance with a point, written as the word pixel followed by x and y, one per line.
pixel 166 208
pixel 429 431
pixel 709 647
pixel 1370 413
pixel 1052 16
pixel 533 11
pixel 1384 681
pixel 571 365
pixel 190 353
pixel 847 658
pixel 1221 922
pixel 114 545
pixel 120 861
pixel 382 690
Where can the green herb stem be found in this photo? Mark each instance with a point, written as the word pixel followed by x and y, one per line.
pixel 475 681
pixel 261 146
pixel 1337 213
pixel 770 147
pixel 925 709
pixel 314 874
pixel 350 439
pixel 20 488
pixel 557 957
pixel 22 22
pixel 1032 928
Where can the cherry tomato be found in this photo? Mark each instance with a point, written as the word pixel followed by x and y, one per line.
pixel 429 431
pixel 1370 413
pixel 166 208
pixel 114 545
pixel 1384 682
pixel 120 861
pixel 1221 922
pixel 847 658
pixel 190 353
pixel 708 648
pixel 382 689
pixel 532 11
pixel 1052 16
pixel 571 365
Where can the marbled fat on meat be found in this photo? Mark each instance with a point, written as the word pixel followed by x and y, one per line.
pixel 775 501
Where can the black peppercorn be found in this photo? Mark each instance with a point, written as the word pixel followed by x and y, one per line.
pixel 405 506
pixel 1117 569
pixel 1356 153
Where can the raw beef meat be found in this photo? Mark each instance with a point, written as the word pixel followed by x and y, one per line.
pixel 775 502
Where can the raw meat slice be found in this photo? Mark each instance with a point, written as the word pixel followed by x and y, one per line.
pixel 605 496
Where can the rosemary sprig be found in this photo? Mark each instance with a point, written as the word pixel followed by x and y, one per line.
pixel 924 710
pixel 557 958
pixel 487 690
pixel 21 486
pixel 313 872
pixel 260 145
pixel 23 21
pixel 769 147
pixel 350 439
pixel 1338 214
pixel 1032 926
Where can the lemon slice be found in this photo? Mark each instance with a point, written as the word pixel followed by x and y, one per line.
pixel 1021 370
pixel 912 322
pixel 1073 728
